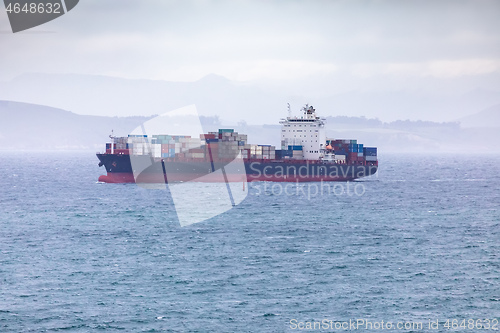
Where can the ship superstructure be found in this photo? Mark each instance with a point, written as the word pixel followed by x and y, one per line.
pixel 306 134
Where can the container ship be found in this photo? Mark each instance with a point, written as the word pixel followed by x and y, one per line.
pixel 306 155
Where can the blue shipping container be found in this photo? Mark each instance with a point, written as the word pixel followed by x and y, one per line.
pixel 294 147
pixel 212 140
pixel 283 153
pixel 370 151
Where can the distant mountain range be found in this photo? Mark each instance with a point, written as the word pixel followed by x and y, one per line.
pixel 27 126
pixel 487 118
pixel 232 101
pixel 34 127
pixel 109 96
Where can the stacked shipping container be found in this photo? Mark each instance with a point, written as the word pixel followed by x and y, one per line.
pixel 351 151
pixel 226 144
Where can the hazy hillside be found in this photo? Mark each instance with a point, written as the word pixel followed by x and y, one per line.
pixel 488 118
pixel 34 127
pixel 256 103
pixel 109 96
pixel 30 127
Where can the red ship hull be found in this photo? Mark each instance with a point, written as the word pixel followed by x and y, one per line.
pixel 119 170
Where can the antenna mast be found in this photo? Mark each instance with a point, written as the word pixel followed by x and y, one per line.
pixel 289 110
pixel 112 137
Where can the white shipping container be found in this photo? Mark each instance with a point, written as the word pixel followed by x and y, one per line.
pixel 371 158
pixel 339 157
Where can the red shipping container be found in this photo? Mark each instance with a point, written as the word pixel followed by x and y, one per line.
pixel 353 157
pixel 118 151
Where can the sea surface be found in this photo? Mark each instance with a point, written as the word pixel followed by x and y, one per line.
pixel 419 241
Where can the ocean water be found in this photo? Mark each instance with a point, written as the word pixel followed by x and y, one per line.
pixel 419 241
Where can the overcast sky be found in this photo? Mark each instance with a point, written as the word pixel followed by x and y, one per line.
pixel 245 40
pixel 337 45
